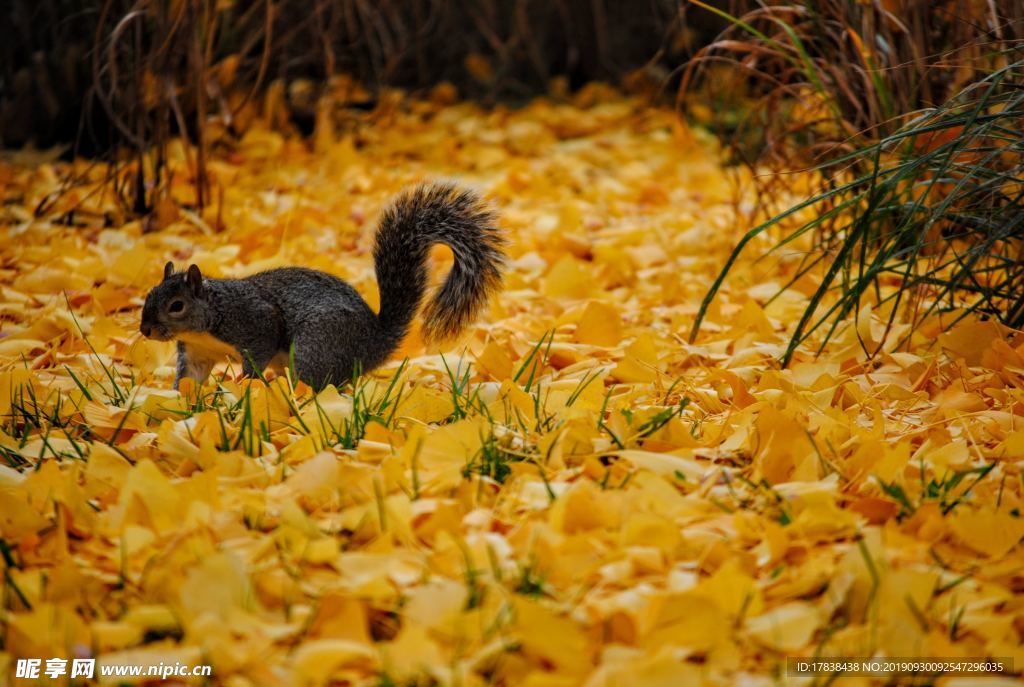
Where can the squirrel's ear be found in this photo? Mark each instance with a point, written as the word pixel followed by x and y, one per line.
pixel 168 269
pixel 195 280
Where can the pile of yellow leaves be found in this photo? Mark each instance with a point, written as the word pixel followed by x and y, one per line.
pixel 573 494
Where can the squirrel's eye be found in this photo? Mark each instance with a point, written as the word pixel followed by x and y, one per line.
pixel 176 306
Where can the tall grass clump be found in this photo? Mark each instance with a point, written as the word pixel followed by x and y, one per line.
pixel 910 116
pixel 801 83
pixel 927 219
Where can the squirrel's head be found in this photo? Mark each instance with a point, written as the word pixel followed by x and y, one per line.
pixel 177 304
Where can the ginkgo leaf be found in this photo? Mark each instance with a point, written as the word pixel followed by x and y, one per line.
pixel 786 628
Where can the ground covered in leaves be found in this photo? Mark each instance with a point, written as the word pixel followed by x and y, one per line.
pixel 572 494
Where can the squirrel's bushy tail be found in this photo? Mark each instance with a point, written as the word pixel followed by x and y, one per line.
pixel 436 213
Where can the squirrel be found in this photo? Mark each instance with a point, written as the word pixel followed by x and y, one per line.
pixel 321 320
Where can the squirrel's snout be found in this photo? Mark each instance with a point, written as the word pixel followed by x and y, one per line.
pixel 146 329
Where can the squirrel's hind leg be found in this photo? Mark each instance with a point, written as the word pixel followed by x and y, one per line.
pixel 326 350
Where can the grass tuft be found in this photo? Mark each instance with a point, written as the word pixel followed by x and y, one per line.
pixel 934 225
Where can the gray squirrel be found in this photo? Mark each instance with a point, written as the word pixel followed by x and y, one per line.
pixel 260 319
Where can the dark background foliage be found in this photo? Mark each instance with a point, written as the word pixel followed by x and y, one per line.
pixel 113 72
